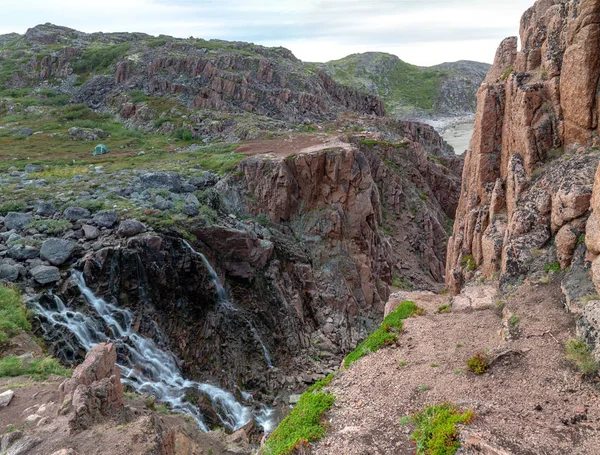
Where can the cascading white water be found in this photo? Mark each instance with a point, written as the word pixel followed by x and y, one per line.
pixel 223 300
pixel 147 368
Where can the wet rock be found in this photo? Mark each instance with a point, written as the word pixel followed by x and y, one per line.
pixel 6 398
pixel 17 220
pixel 105 218
pixel 168 180
pixel 90 232
pixel 30 168
pixel 57 251
pixel 8 272
pixel 76 213
pixel 130 227
pixel 44 274
pixel 23 252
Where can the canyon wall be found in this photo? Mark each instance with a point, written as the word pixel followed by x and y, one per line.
pixel 529 171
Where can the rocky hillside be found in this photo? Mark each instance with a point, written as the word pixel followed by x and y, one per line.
pixel 527 201
pixel 448 89
pixel 208 88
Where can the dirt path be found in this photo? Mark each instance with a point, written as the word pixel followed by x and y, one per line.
pixel 293 144
pixel 528 403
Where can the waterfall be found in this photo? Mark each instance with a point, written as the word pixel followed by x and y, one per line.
pixel 223 301
pixel 146 367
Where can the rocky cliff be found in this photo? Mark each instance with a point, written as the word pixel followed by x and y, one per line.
pixel 529 171
pixel 121 70
pixel 410 91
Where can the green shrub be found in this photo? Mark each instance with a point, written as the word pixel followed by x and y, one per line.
pixel 507 72
pixel 93 205
pixel 137 96
pixel 468 262
pixel 301 426
pixel 38 369
pixel 52 226
pixel 386 334
pixel 79 112
pixel 436 432
pixel 99 58
pixel 552 267
pixel 183 134
pixel 321 383
pixel 444 309
pixel 13 315
pixel 579 353
pixel 478 364
pixel 12 206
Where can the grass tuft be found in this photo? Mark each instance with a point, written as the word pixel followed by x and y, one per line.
pixel 13 315
pixel 579 353
pixel 436 432
pixel 39 369
pixel 303 425
pixel 478 364
pixel 386 334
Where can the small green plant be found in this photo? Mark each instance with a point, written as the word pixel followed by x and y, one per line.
pixel 468 262
pixel 514 320
pixel 589 298
pixel 301 426
pixel 423 387
pixel 545 279
pixel 507 72
pixel 458 345
pixel 536 252
pixel 93 205
pixel 50 226
pixel 183 134
pixel 13 315
pixel 386 334
pixel 443 309
pixel 402 363
pixel 434 365
pixel 405 420
pixel 581 239
pixel 137 96
pixel 579 353
pixel 436 432
pixel 12 206
pixel 457 372
pixel 478 364
pixel 552 267
pixel 321 383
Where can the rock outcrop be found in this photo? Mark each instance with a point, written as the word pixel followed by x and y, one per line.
pixel 94 390
pixel 534 107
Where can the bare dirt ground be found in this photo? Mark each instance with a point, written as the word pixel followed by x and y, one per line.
pixel 293 144
pixel 531 401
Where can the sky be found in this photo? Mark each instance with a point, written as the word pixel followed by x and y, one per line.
pixel 422 32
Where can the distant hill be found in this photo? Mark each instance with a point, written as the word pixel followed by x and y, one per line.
pixel 407 90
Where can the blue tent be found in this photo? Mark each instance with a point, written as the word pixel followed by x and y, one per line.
pixel 100 149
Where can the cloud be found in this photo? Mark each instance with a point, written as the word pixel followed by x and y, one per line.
pixel 423 32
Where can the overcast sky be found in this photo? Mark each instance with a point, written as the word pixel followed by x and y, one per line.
pixel 423 32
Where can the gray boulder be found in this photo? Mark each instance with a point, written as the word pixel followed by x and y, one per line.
pixel 57 251
pixel 190 209
pixel 76 213
pixel 192 199
pixel 129 228
pixel 167 180
pixel 105 218
pixel 23 252
pixel 33 168
pixel 162 204
pixel 45 274
pixel 90 232
pixel 45 208
pixel 8 272
pixel 17 220
pixel 26 131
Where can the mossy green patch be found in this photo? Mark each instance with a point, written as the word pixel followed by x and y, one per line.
pixel 386 334
pixel 436 432
pixel 579 353
pixel 303 425
pixel 38 369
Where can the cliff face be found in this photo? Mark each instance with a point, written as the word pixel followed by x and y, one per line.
pixel 529 170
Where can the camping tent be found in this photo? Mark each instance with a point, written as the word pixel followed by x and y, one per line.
pixel 100 149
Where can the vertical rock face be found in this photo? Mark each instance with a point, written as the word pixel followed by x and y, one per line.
pixel 534 106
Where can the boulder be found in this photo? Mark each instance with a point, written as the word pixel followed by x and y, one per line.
pixel 6 398
pixel 45 208
pixel 190 210
pixel 23 252
pixel 90 232
pixel 33 168
pixel 162 204
pixel 76 213
pixel 8 272
pixel 105 218
pixel 130 227
pixel 168 180
pixel 57 251
pixel 8 439
pixel 44 274
pixel 17 220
